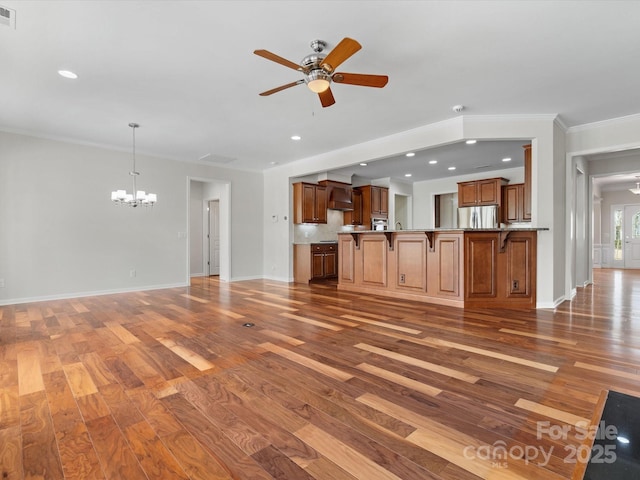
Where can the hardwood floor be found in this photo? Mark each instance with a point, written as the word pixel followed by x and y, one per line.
pixel 262 380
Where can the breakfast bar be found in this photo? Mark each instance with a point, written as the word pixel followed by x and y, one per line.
pixel 468 268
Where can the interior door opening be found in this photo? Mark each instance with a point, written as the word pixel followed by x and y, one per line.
pixel 214 237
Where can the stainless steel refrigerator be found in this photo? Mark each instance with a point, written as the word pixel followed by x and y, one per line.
pixel 478 217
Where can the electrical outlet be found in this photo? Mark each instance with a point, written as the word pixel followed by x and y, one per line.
pixel 1 282
pixel 515 285
pixel 132 273
pixel 402 278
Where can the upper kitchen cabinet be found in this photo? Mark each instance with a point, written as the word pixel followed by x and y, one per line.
pixel 513 203
pixel 480 192
pixel 526 215
pixel 309 203
pixel 375 202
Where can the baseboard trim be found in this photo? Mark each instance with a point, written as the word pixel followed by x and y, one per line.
pixel 67 296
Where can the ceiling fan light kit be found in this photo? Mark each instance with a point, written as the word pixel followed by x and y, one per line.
pixel 319 70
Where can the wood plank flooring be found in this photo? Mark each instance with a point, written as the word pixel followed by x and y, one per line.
pixel 325 385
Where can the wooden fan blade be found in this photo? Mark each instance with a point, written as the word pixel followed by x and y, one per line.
pixel 346 48
pixel 281 87
pixel 361 79
pixel 326 98
pixel 275 58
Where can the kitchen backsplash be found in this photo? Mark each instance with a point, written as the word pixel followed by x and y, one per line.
pixel 307 233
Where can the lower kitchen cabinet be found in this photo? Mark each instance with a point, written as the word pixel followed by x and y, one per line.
pixel 315 261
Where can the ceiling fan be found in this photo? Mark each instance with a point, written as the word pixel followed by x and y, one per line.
pixel 319 70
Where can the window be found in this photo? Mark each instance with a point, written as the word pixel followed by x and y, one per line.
pixel 617 229
pixel 635 226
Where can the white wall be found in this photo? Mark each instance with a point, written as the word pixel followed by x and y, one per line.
pixel 61 236
pixel 197 229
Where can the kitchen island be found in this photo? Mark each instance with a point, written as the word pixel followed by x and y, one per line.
pixel 469 268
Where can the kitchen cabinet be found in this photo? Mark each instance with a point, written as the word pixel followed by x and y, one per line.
pixel 375 202
pixel 354 217
pixel 315 261
pixel 493 268
pixel 526 214
pixel 309 203
pixel 500 269
pixel 324 260
pixel 480 192
pixel 513 203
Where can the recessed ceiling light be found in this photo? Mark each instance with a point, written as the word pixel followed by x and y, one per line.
pixel 410 154
pixel 67 74
pixel 363 164
pixel 507 159
pixel 295 137
pixel 470 142
pixel 407 174
pixel 451 168
pixel 433 162
pixel 274 163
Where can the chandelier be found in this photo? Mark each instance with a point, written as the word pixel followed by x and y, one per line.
pixel 136 197
pixel 637 189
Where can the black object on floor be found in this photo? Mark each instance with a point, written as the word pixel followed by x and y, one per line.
pixel 616 449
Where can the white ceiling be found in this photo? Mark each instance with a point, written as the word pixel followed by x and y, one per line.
pixel 185 71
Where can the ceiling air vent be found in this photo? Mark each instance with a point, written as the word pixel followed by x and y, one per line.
pixel 7 17
pixel 214 158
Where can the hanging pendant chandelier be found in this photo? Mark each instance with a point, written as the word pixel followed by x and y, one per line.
pixel 137 197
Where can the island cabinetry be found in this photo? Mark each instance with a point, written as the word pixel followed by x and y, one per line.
pixel 409 262
pixel 371 261
pixel 309 203
pixel 480 192
pixel 354 217
pixel 526 215
pixel 500 269
pixel 481 250
pixel 445 269
pixel 346 259
pixel 462 268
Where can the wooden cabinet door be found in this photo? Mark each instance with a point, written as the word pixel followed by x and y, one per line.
pixel 526 214
pixel 467 194
pixel 375 201
pixel 384 202
pixel 320 204
pixel 480 251
pixel 519 259
pixel 346 259
pixel 308 203
pixel 317 265
pixel 512 203
pixel 330 264
pixel 488 192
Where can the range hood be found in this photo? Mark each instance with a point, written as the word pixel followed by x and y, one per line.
pixel 338 195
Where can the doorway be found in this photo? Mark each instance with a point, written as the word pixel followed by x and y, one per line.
pixel 631 233
pixel 213 236
pixel 625 225
pixel 209 226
